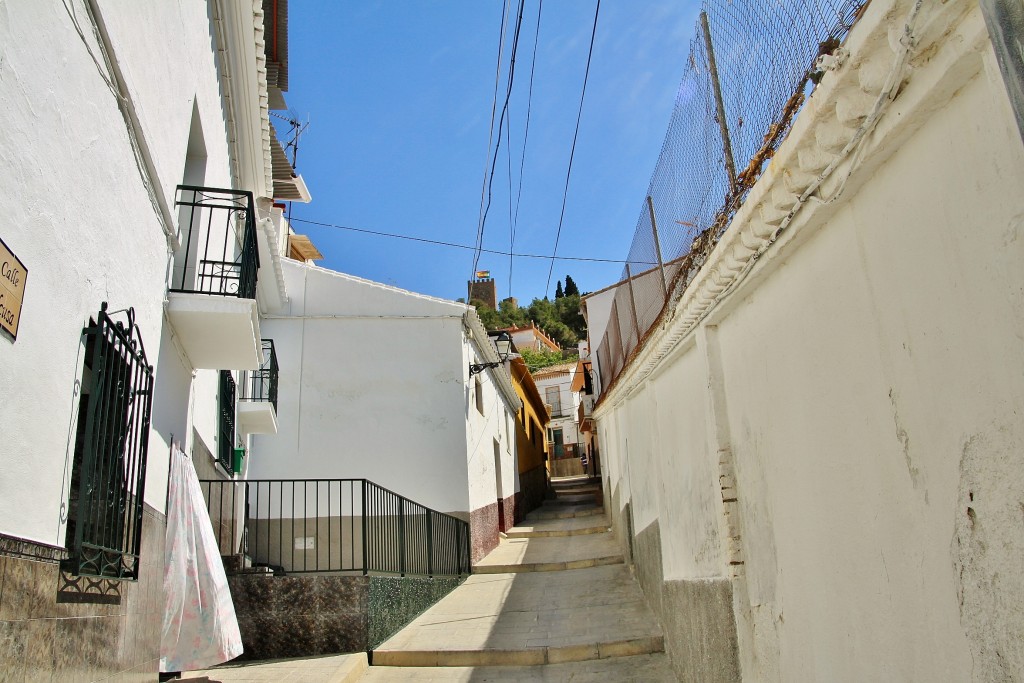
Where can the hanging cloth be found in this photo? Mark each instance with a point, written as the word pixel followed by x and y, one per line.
pixel 200 629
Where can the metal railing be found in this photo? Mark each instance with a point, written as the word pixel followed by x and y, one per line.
pixel 261 384
pixel 218 253
pixel 289 526
pixel 226 421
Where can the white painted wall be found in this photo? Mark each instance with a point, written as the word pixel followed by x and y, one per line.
pixel 374 384
pixel 82 222
pixel 871 377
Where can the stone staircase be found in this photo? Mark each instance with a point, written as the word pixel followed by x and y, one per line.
pixel 554 601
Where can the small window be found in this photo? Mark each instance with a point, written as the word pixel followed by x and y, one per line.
pixel 226 422
pixel 479 391
pixel 109 469
pixel 553 399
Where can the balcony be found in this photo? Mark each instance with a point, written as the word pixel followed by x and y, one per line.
pixel 257 406
pixel 212 297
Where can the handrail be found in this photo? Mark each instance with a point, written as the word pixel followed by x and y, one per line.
pixel 284 526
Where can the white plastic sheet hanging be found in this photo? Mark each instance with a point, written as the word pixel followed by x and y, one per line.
pixel 200 628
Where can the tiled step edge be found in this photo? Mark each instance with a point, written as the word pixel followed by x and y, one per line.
pixel 526 657
pixel 586 563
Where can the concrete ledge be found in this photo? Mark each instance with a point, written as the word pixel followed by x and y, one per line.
pixel 523 657
pixel 557 533
pixel 546 566
pixel 566 514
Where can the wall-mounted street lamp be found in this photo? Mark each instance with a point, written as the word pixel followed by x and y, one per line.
pixel 503 342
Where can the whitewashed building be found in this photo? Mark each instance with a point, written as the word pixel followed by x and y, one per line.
pixel 565 444
pixel 379 387
pixel 814 459
pixel 139 178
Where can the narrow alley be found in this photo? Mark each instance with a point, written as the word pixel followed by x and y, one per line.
pixel 555 601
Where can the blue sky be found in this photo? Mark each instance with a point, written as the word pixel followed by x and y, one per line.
pixel 399 96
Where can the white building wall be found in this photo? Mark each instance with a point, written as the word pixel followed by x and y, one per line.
pixel 865 385
pixel 490 478
pixel 80 219
pixel 371 386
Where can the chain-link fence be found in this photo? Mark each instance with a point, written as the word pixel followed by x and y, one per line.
pixel 750 66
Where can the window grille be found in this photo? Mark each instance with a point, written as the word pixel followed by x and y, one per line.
pixel 552 395
pixel 109 476
pixel 226 423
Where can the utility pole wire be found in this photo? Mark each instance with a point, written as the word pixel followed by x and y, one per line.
pixel 490 135
pixel 501 123
pixel 572 152
pixel 455 245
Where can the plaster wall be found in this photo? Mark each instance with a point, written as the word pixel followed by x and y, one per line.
pixel 372 385
pixel 81 220
pixel 869 399
pixel 490 443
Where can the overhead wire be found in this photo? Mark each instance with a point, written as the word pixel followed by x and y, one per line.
pixel 490 135
pixel 501 122
pixel 572 152
pixel 456 245
pixel 526 139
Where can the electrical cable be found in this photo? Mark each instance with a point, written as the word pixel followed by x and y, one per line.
pixel 497 146
pixel 460 246
pixel 494 108
pixel 526 139
pixel 572 152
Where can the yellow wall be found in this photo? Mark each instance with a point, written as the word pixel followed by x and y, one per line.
pixel 531 420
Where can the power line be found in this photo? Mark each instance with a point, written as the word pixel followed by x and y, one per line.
pixel 461 246
pixel 526 139
pixel 572 153
pixel 490 135
pixel 501 124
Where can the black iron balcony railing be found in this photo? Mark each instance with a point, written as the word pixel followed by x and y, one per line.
pixel 226 421
pixel 218 253
pixel 261 384
pixel 333 525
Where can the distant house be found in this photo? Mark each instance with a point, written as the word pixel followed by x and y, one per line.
pixel 564 443
pixel 533 338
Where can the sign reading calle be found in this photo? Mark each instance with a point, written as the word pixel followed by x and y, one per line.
pixel 13 274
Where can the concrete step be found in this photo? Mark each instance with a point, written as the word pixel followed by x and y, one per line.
pixel 653 667
pixel 571 500
pixel 529 619
pixel 584 563
pixel 563 512
pixel 559 527
pixel 551 553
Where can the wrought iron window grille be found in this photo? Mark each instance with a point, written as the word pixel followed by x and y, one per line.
pixel 261 384
pixel 226 421
pixel 109 470
pixel 218 253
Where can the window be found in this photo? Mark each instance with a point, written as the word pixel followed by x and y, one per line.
pixel 226 421
pixel 109 469
pixel 479 391
pixel 553 399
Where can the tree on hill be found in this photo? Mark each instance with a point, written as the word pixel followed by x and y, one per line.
pixel 560 319
pixel 558 290
pixel 570 286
